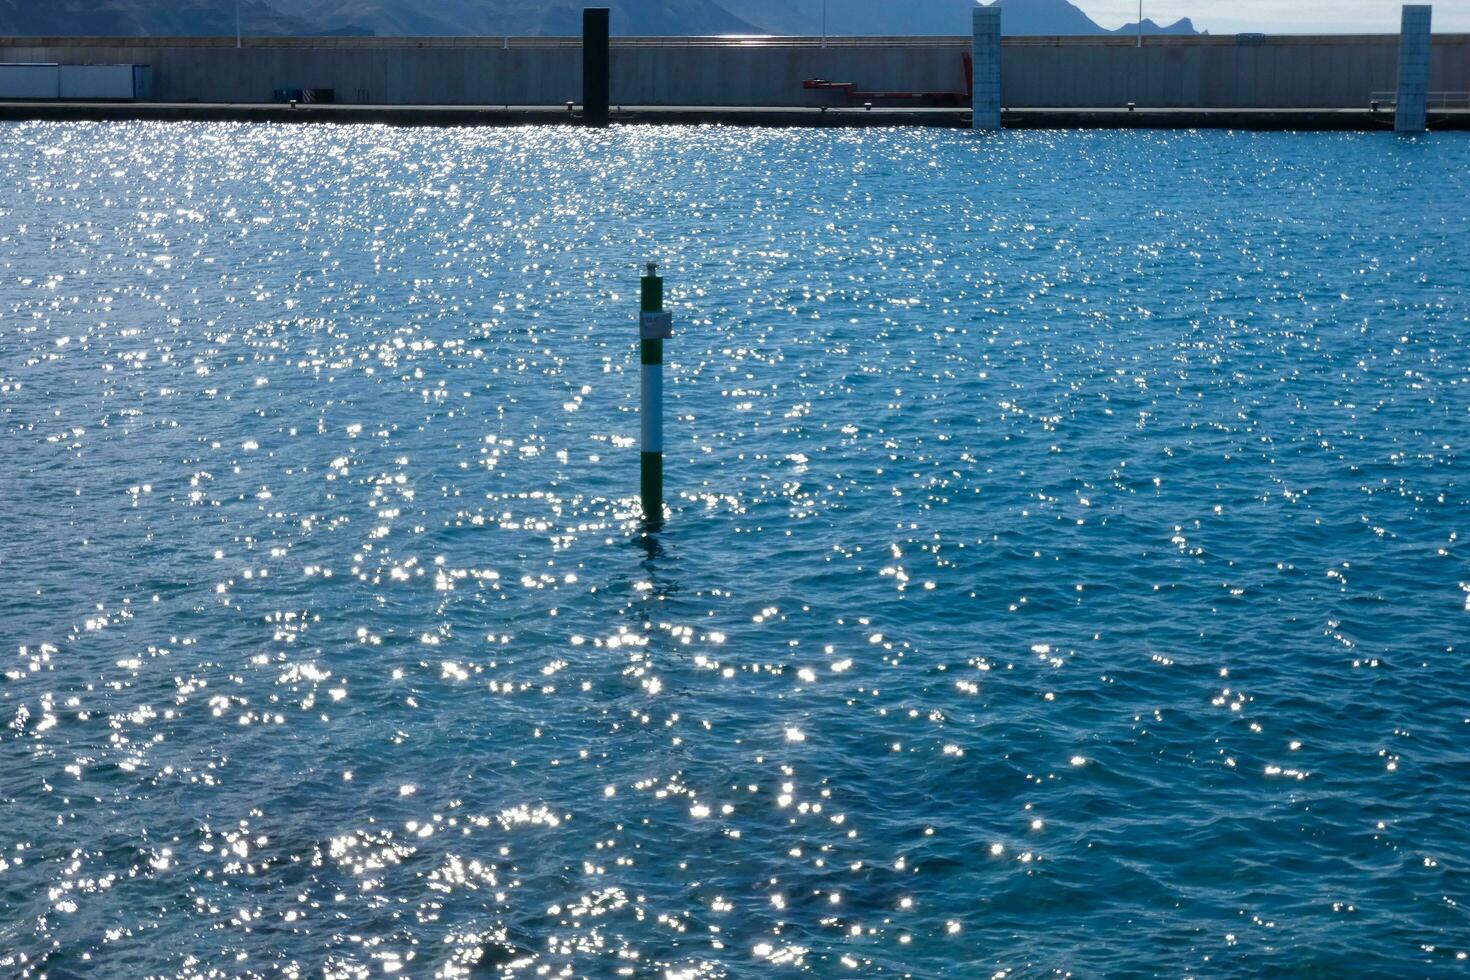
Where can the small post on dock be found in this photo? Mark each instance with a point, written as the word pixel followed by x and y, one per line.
pixel 985 69
pixel 596 66
pixel 654 325
pixel 1411 107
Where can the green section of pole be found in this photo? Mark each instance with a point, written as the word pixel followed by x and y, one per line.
pixel 652 291
pixel 651 482
pixel 652 474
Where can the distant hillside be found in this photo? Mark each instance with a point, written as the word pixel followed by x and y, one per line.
pixel 857 17
pixel 1061 17
pixel 527 17
pixel 137 17
pixel 541 17
pixel 381 17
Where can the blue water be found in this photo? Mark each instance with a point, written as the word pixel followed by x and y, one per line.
pixel 1065 568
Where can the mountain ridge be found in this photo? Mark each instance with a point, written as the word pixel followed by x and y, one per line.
pixel 142 18
pixel 1032 17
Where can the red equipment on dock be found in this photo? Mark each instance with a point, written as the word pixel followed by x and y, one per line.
pixel 854 94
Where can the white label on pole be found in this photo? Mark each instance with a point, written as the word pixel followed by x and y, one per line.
pixel 656 326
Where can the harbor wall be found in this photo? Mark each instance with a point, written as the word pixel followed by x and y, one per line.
pixel 1279 71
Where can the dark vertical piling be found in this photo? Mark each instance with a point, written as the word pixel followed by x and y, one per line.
pixel 596 66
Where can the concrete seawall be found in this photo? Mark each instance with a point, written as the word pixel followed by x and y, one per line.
pixel 1209 72
pixel 1361 120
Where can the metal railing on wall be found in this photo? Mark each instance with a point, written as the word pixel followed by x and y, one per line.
pixel 358 42
pixel 719 41
pixel 1436 100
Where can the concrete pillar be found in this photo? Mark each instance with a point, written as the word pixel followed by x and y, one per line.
pixel 985 61
pixel 1413 94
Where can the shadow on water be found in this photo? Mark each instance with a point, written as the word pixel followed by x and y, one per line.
pixel 657 562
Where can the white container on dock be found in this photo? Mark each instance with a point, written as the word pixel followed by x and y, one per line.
pixel 30 81
pixel 105 82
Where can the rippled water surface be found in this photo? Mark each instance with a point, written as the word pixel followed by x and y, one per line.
pixel 1064 570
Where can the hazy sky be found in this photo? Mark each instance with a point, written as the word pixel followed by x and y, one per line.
pixel 1286 16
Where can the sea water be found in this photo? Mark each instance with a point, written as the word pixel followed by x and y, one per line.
pixel 1065 564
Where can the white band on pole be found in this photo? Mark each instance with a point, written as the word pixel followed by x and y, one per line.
pixel 653 408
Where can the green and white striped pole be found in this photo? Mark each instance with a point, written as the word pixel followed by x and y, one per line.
pixel 653 326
